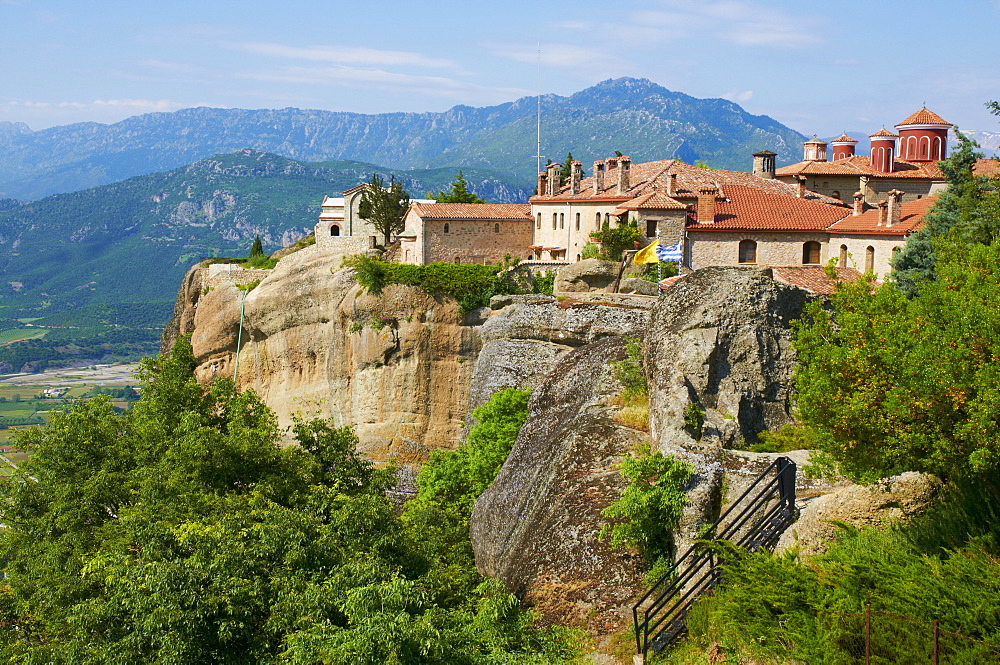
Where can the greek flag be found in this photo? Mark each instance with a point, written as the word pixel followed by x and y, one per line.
pixel 670 252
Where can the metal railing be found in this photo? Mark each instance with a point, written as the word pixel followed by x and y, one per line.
pixel 753 522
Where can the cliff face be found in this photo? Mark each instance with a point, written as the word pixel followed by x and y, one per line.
pixel 309 347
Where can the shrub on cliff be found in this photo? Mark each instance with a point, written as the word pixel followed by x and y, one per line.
pixel 180 532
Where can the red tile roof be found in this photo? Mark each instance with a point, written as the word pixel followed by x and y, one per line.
pixel 911 218
pixel 648 177
pixel 504 211
pixel 844 138
pixel 751 208
pixel 924 117
pixel 654 200
pixel 884 132
pixel 861 165
pixel 813 278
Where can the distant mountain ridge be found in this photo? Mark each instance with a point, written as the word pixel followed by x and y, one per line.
pixel 635 116
pixel 132 241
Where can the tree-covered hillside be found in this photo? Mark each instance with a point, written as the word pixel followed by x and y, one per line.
pixel 132 241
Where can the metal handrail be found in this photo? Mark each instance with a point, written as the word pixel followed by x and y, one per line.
pixel 697 570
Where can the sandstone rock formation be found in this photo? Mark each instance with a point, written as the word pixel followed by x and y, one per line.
pixel 536 528
pixel 893 499
pixel 308 347
pixel 586 275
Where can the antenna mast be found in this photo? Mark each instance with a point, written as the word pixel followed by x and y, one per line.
pixel 538 148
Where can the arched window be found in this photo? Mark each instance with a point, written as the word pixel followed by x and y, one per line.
pixel 607 218
pixel 578 257
pixel 554 219
pixel 334 230
pixel 835 194
pixel 577 221
pixel 810 253
pixel 496 228
pixel 597 221
pixel 895 255
pixel 869 258
pixel 538 224
pixel 458 259
pixel 748 251
pixel 562 221
pixel 843 256
pixel 446 227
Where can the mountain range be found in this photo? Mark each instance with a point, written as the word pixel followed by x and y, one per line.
pixel 635 116
pixel 132 241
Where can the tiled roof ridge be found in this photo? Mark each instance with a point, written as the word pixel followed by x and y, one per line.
pixel 473 210
pixel 884 132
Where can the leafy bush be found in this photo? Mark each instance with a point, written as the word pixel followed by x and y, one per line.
pixel 634 398
pixel 694 419
pixel 787 439
pixel 544 283
pixel 616 239
pixel 590 251
pixel 472 285
pixel 650 508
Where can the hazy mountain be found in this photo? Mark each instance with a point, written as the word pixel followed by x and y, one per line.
pixel 132 241
pixel 635 116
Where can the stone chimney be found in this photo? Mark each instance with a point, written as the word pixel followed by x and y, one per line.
pixel 859 203
pixel 612 162
pixel 575 175
pixel 706 205
pixel 801 190
pixel 624 169
pixel 895 204
pixel 555 179
pixel 672 184
pixel 598 177
pixel 883 212
pixel 763 164
pixel 543 188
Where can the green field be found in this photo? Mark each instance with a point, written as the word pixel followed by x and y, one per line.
pixel 21 334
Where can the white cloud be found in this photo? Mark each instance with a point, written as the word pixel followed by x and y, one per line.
pixel 135 105
pixel 344 54
pixel 584 60
pixel 741 22
pixel 739 97
pixel 438 86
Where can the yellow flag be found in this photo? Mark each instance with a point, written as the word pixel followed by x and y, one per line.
pixel 647 254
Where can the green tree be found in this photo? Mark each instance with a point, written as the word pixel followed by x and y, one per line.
pixel 967 208
pixel 257 248
pixel 181 532
pixel 384 206
pixel 567 168
pixel 459 193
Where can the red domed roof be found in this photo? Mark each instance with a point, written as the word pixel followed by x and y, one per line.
pixel 844 138
pixel 884 133
pixel 924 117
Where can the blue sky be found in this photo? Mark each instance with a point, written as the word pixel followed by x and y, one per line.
pixel 817 67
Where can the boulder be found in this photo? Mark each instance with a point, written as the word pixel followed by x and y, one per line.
pixel 586 275
pixel 643 287
pixel 719 340
pixel 889 500
pixel 522 342
pixel 536 528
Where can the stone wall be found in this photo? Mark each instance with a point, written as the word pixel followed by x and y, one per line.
pixel 721 248
pixel 857 247
pixel 474 241
pixel 218 274
pixel 344 244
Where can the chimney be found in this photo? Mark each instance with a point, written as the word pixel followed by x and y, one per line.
pixel 801 191
pixel 763 164
pixel 555 179
pixel 672 184
pixel 859 203
pixel 706 205
pixel 612 162
pixel 624 168
pixel 543 179
pixel 883 212
pixel 598 177
pixel 575 175
pixel 894 206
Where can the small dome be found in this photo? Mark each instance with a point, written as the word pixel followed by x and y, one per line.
pixel 924 117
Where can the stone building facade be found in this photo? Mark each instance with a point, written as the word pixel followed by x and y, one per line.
pixel 465 233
